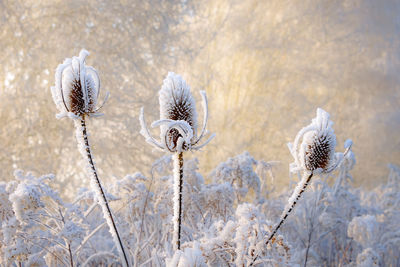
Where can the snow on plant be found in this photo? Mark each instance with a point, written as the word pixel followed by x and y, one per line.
pixel 233 242
pixel 239 172
pixel 178 123
pixel 75 94
pixel 227 216
pixel 314 155
pixel 38 219
pixel 377 231
pixel 332 227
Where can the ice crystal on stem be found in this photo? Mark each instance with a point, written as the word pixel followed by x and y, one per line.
pixel 178 123
pixel 75 94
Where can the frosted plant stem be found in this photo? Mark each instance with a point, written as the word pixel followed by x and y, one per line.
pixel 96 185
pixel 301 187
pixel 178 182
pixel 71 260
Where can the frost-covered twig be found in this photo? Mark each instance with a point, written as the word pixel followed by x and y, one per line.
pixel 178 123
pixel 75 94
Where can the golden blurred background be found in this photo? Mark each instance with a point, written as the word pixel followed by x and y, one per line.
pixel 266 67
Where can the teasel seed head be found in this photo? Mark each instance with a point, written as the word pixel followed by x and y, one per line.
pixel 77 87
pixel 316 152
pixel 178 117
pixel 177 104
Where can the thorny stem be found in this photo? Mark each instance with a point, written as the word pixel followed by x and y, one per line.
pixel 178 184
pixel 284 216
pixel 112 226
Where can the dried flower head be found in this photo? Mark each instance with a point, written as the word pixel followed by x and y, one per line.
pixel 316 152
pixel 178 117
pixel 77 87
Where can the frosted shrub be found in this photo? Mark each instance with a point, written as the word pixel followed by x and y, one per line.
pixel 239 172
pixel 39 219
pixel 334 223
pixel 364 229
pixel 378 232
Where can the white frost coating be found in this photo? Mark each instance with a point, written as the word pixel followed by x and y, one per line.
pixel 175 259
pixel 365 230
pixel 295 194
pixel 74 80
pixel 190 257
pixel 184 129
pixel 145 131
pixel 313 149
pixel 177 214
pixel 96 186
pixel 320 127
pixel 318 142
pixel 368 258
pixel 245 214
pixel 25 200
pixel 178 118
pixel 176 100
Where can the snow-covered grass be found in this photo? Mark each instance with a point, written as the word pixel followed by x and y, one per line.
pixel 225 222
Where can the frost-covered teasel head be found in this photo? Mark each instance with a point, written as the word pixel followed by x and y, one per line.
pixel 178 117
pixel 77 87
pixel 314 146
pixel 176 104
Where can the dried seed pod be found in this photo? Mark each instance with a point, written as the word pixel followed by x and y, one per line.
pixel 317 148
pixel 177 104
pixel 178 117
pixel 77 87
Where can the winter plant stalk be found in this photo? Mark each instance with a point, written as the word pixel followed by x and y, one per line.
pixel 178 123
pixel 314 155
pixel 75 94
